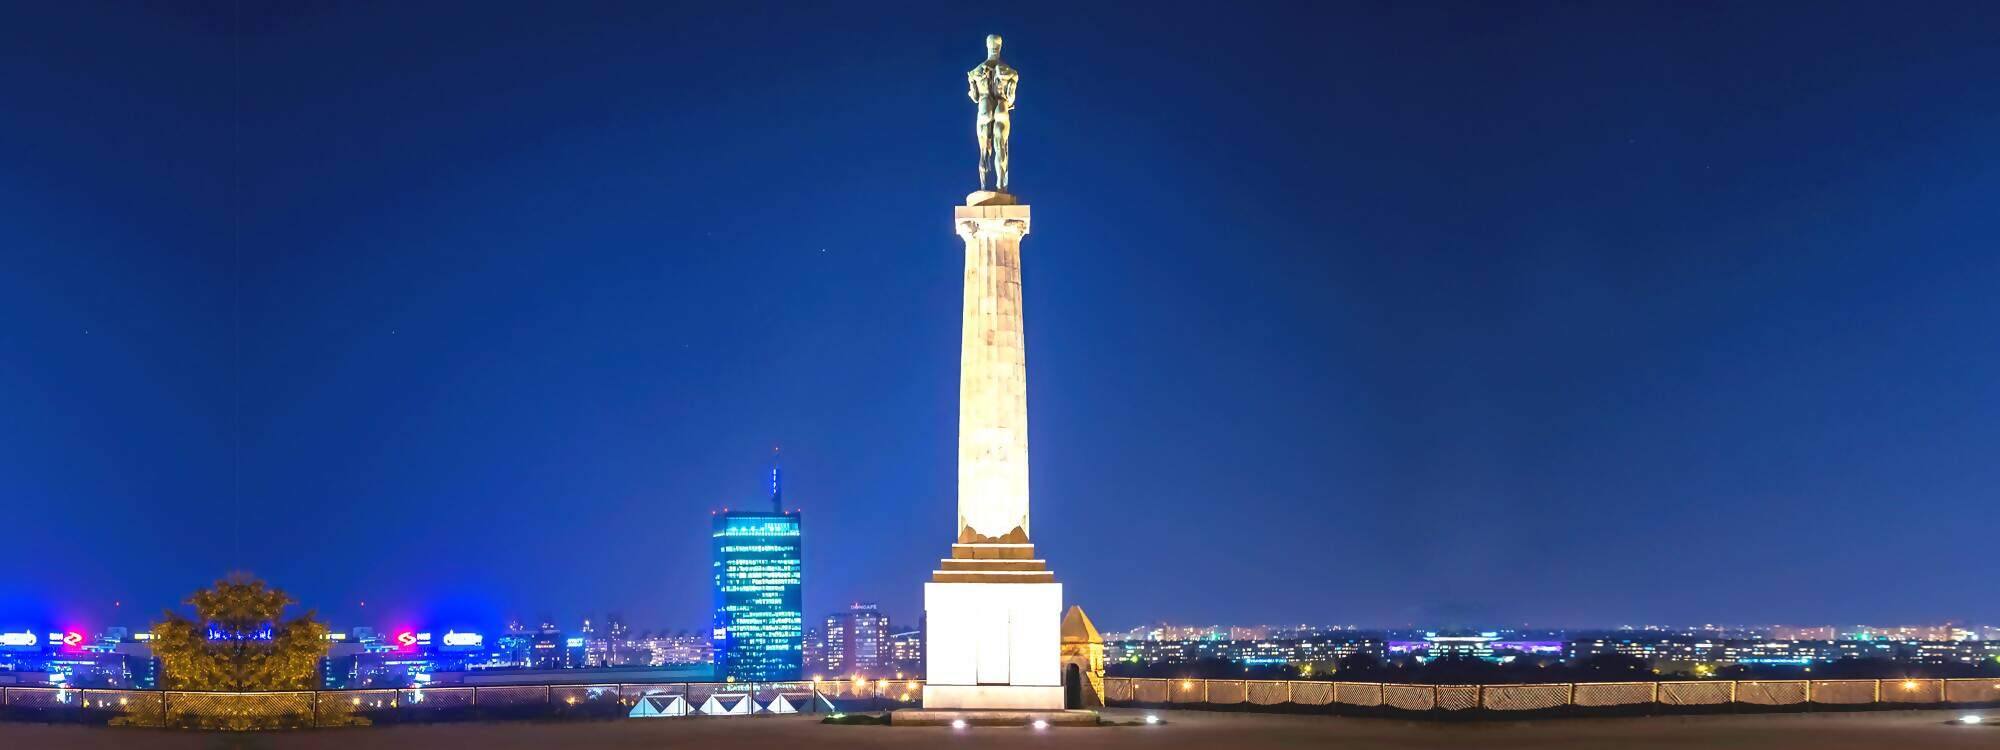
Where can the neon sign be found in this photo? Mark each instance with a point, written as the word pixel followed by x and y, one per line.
pixel 68 640
pixel 463 640
pixel 260 633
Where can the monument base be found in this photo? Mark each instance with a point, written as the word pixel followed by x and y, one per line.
pixel 994 697
pixel 995 631
pixel 925 717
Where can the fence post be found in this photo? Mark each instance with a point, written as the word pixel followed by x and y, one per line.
pixel 1570 700
pixel 1732 693
pixel 475 696
pixel 1941 691
pixel 1808 691
pixel 1878 691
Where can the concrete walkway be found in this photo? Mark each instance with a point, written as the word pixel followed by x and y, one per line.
pixel 1183 729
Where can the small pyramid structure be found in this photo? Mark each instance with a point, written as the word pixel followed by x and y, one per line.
pixel 729 705
pixel 659 705
pixel 779 705
pixel 1076 627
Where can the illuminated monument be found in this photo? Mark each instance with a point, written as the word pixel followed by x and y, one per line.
pixel 995 610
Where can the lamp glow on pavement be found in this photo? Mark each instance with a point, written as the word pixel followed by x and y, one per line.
pixel 1152 719
pixel 1041 724
pixel 958 723
pixel 1970 719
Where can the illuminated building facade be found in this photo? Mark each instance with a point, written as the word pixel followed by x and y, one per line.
pixel 1461 647
pixel 906 652
pixel 759 625
pixel 857 641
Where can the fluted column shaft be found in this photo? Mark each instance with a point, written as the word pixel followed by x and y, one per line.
pixel 993 380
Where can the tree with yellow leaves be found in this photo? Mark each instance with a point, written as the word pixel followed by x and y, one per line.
pixel 239 641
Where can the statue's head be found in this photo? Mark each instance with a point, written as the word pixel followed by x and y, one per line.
pixel 992 45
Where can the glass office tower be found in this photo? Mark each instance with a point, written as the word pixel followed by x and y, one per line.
pixel 759 628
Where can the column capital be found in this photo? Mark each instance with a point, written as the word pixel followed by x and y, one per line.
pixel 995 222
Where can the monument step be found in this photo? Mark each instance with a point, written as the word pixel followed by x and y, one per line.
pixel 993 551
pixel 993 576
pixel 955 565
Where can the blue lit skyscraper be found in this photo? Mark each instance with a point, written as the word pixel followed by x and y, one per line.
pixel 759 623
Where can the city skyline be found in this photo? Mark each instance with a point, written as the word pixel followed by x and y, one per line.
pixel 484 324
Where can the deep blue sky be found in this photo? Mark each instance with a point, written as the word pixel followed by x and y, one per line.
pixel 1370 313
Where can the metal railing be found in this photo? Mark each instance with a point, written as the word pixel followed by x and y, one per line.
pixel 327 708
pixel 1585 695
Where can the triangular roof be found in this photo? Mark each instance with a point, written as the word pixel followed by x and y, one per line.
pixel 1076 627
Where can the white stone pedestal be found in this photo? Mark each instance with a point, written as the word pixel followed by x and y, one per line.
pixel 993 646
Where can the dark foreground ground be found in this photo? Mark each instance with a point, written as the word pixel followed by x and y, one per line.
pixel 1184 729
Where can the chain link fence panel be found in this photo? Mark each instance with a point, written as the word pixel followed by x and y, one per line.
pixel 1457 697
pixel 1972 691
pixel 1409 697
pixel 1522 697
pixel 1603 694
pixel 1120 690
pixel 1312 693
pixel 1359 693
pixel 1843 692
pixel 1227 692
pixel 1270 693
pixel 1697 693
pixel 1912 691
pixel 1771 693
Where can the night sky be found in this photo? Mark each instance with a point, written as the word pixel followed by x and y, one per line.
pixel 1444 313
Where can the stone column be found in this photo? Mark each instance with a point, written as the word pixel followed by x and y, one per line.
pixel 995 610
pixel 993 379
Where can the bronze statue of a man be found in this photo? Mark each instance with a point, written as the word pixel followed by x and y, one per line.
pixel 991 87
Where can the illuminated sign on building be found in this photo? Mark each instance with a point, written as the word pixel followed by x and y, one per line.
pixel 260 633
pixel 453 639
pixel 19 640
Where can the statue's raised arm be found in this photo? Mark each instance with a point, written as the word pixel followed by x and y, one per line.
pixel 991 86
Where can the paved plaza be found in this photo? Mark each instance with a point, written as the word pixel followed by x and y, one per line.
pixel 1184 729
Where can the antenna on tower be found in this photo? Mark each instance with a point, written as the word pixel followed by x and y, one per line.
pixel 777 490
